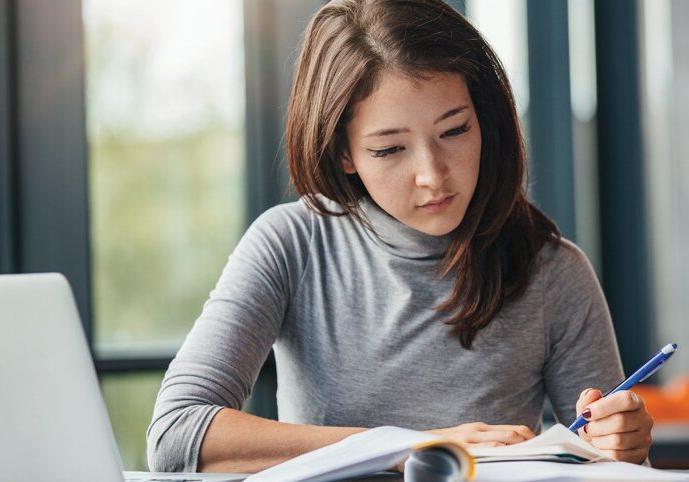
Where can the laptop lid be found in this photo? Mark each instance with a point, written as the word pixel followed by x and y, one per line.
pixel 53 422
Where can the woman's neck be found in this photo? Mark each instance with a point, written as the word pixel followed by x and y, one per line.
pixel 401 239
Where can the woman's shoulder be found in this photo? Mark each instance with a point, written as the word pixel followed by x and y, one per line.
pixel 564 267
pixel 561 253
pixel 293 221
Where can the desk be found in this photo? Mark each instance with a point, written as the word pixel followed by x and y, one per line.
pixel 393 477
pixel 378 477
pixel 670 449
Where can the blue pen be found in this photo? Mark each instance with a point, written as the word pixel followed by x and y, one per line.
pixel 649 368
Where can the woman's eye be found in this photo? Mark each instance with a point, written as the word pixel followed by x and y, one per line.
pixel 456 131
pixel 385 152
pixel 392 150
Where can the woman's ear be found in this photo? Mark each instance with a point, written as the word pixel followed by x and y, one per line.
pixel 347 164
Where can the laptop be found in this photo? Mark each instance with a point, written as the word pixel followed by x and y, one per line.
pixel 53 423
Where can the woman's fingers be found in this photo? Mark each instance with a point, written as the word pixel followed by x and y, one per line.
pixel 620 422
pixel 619 425
pixel 522 430
pixel 586 397
pixel 489 444
pixel 507 436
pixel 623 401
pixel 525 431
pixel 479 433
pixel 622 441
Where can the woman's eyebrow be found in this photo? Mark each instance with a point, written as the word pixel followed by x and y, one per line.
pixel 391 131
pixel 450 113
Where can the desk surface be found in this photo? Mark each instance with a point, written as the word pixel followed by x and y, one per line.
pixel 379 477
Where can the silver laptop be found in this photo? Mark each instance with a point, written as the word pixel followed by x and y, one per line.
pixel 53 422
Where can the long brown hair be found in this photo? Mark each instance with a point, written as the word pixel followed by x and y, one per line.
pixel 346 46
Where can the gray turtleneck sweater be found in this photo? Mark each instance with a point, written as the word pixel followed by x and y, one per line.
pixel 349 313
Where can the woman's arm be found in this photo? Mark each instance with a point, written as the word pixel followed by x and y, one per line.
pixel 222 355
pixel 240 442
pixel 582 353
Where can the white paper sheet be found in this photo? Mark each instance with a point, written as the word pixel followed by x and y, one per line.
pixel 558 440
pixel 366 452
pixel 600 471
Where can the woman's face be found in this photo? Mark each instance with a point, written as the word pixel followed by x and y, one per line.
pixel 414 142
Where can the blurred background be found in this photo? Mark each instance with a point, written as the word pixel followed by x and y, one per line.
pixel 140 138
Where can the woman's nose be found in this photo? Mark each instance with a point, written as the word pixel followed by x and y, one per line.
pixel 431 171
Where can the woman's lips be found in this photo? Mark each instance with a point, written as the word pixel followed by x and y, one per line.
pixel 439 206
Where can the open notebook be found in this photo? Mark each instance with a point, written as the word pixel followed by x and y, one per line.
pixel 557 444
pixel 384 447
pixel 374 450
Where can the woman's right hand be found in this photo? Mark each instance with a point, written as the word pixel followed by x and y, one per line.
pixel 479 434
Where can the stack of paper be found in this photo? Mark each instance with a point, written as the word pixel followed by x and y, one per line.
pixel 541 471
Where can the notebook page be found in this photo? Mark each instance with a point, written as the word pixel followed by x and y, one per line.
pixel 556 440
pixel 372 450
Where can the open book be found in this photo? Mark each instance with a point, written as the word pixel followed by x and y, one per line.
pixel 377 449
pixel 384 447
pixel 557 444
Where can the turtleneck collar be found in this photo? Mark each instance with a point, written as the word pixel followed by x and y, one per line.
pixel 400 239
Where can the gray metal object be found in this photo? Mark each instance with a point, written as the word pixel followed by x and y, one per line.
pixel 56 425
pixel 434 465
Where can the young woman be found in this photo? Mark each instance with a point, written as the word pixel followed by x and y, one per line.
pixel 413 284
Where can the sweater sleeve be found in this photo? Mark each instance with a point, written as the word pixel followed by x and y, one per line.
pixel 580 341
pixel 222 355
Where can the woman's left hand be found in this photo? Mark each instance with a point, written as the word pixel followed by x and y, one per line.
pixel 619 425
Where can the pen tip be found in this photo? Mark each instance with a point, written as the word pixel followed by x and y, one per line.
pixel 670 348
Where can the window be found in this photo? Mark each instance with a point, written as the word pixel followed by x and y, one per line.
pixel 165 129
pixel 129 398
pixel 503 24
pixel 165 124
pixel 583 94
pixel 665 69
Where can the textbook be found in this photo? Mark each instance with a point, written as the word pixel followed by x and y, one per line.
pixel 382 448
pixel 374 450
